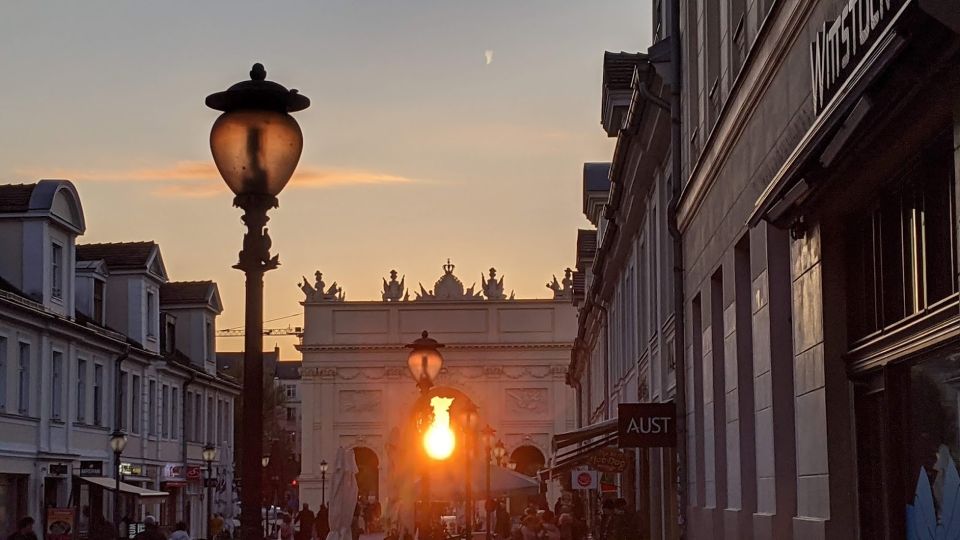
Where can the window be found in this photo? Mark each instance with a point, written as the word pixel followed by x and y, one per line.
pixel 174 413
pixel 81 390
pixel 123 400
pixel 221 425
pixel 291 413
pixel 654 272
pixel 165 412
pixel 208 341
pixel 56 271
pixel 170 337
pixel 23 386
pixel 56 385
pixel 211 433
pixel 197 417
pixel 97 395
pixel 152 408
pixel 98 292
pixel 151 314
pixel 188 417
pixel 903 249
pixel 135 404
pixel 3 373
pixel 291 390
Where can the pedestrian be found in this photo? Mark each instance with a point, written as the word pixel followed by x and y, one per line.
pixel 549 531
pixel 180 532
pixel 305 518
pixel 286 528
pixel 216 525
pixel 151 530
pixel 565 524
pixel 322 522
pixel 101 529
pixel 503 525
pixel 24 530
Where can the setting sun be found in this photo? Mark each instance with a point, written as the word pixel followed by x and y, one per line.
pixel 439 440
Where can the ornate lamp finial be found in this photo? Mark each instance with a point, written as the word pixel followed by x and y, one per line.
pixel 448 268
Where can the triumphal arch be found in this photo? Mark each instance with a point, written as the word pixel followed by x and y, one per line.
pixel 509 355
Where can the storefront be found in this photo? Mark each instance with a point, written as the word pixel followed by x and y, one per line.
pixel 13 499
pixel 870 198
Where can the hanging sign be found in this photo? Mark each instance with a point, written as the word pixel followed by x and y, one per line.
pixel 841 44
pixel 130 469
pixel 608 460
pixel 584 479
pixel 91 468
pixel 647 425
pixel 60 523
pixel 58 469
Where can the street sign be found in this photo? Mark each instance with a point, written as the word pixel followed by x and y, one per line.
pixel 647 425
pixel 584 479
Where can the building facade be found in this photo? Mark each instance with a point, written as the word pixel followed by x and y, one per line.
pixel 509 356
pixel 94 338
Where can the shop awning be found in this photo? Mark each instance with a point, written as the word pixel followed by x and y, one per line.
pixel 600 429
pixel 111 484
pixel 590 438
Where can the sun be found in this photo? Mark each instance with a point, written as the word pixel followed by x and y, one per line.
pixel 439 440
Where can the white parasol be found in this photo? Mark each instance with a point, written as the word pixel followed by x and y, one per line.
pixel 343 495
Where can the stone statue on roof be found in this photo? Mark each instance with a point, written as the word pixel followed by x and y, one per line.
pixel 562 290
pixel 394 290
pixel 493 288
pixel 318 291
pixel 448 287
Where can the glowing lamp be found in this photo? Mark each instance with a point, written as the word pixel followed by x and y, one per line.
pixel 424 360
pixel 118 441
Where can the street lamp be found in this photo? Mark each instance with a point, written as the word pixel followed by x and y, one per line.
pixel 209 454
pixel 323 482
pixel 118 441
pixel 488 435
pixel 469 418
pixel 499 452
pixel 256 145
pixel 424 361
pixel 265 460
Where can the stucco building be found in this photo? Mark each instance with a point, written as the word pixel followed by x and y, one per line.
pixel 508 355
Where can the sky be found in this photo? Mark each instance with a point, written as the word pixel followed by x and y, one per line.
pixel 437 129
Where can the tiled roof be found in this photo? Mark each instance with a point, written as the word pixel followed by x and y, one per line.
pixel 618 69
pixel 119 256
pixel 288 370
pixel 586 245
pixel 186 292
pixel 15 197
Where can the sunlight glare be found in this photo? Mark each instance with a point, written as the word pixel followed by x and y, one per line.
pixel 439 440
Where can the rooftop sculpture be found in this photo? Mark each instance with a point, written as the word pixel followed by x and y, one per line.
pixel 448 287
pixel 394 291
pixel 318 291
pixel 493 288
pixel 562 290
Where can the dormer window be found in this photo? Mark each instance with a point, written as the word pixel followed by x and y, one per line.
pixel 98 306
pixel 208 340
pixel 56 271
pixel 151 315
pixel 170 339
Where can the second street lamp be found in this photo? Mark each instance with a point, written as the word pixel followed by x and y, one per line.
pixel 488 434
pixel 468 420
pixel 256 145
pixel 323 482
pixel 118 441
pixel 209 454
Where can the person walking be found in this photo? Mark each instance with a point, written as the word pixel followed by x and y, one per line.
pixel 151 530
pixel 24 530
pixel 305 518
pixel 322 522
pixel 180 532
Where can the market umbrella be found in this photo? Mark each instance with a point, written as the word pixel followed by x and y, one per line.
pixel 343 495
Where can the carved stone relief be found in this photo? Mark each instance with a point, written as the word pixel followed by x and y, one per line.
pixel 361 402
pixel 527 400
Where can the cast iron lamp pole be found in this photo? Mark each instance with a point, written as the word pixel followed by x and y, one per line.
pixel 425 363
pixel 323 483
pixel 488 434
pixel 468 420
pixel 118 441
pixel 256 145
pixel 265 460
pixel 209 454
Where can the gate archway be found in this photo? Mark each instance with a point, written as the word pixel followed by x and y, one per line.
pixel 529 459
pixel 368 472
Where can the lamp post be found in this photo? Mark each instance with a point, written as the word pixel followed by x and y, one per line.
pixel 425 363
pixel 499 452
pixel 256 145
pixel 468 421
pixel 323 482
pixel 265 460
pixel 118 441
pixel 488 434
pixel 209 454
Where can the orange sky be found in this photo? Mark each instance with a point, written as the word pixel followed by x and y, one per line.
pixel 437 129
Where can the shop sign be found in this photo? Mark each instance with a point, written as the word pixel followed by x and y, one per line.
pixel 173 472
pixel 130 469
pixel 60 523
pixel 842 43
pixel 584 479
pixel 608 460
pixel 58 469
pixel 647 425
pixel 91 468
pixel 194 473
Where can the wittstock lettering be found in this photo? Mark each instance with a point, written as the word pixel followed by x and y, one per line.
pixel 841 43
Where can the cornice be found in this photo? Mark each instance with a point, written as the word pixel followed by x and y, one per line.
pixel 778 36
pixel 308 347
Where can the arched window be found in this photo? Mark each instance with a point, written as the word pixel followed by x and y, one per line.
pixel 529 459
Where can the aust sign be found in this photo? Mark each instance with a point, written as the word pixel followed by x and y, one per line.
pixel 647 425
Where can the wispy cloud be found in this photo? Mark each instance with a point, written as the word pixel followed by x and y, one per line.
pixel 488 56
pixel 198 179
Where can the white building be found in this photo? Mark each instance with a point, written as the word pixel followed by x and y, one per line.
pixel 508 356
pixel 94 338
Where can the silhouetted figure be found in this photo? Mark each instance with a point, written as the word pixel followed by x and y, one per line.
pixel 322 522
pixel 305 518
pixel 151 530
pixel 24 530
